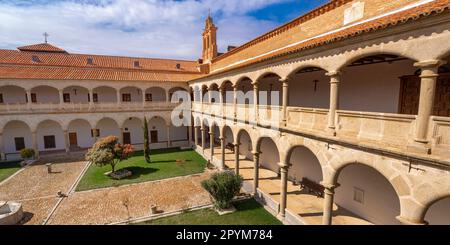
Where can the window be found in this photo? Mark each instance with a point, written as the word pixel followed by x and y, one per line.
pixel 90 61
pixel 20 143
pixel 33 98
pixel 126 97
pixel 1 98
pixel 148 97
pixel 358 195
pixel 178 66
pixel 136 64
pixel 95 97
pixel 49 142
pixel 35 58
pixel 66 98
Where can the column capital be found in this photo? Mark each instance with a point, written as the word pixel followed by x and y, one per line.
pixel 221 138
pixel 284 80
pixel 236 144
pixel 333 73
pixel 255 153
pixel 329 187
pixel 284 165
pixel 430 63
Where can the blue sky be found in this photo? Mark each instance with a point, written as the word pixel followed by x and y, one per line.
pixel 148 28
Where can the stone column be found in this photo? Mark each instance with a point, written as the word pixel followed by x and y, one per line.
pixel 118 96
pixel 189 136
pixel 334 100
pixel 211 142
pixel 203 139
pixel 285 100
pixel 283 192
pixel 236 157
pixel 2 150
pixel 221 102
pixel 196 136
pixel 427 92
pixel 255 101
pixel 169 143
pixel 61 99
pixel 167 96
pixel 28 96
pixel 235 89
pixel 91 98
pixel 256 172
pixel 328 203
pixel 407 221
pixel 66 141
pixel 35 144
pixel 121 135
pixel 222 148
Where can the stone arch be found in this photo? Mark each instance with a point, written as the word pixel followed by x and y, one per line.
pixel 13 94
pixel 46 94
pixel 367 53
pixel 158 94
pixel 107 126
pixel 105 94
pixel 135 92
pixel 227 133
pixel 81 128
pixel 267 74
pixel 309 160
pixel 370 180
pixel 242 79
pixel 77 93
pixel 304 66
pixel 426 213
pixel 158 124
pixel 53 129
pixel 173 90
pixel 133 126
pixel 244 139
pixel 271 161
pixel 16 129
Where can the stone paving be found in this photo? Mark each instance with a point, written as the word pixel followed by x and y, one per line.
pixel 109 205
pixel 37 191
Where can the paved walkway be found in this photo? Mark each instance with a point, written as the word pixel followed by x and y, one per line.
pixel 308 207
pixel 37 191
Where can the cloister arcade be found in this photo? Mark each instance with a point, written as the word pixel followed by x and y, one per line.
pixel 368 121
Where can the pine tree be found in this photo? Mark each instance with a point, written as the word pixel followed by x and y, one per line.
pixel 146 142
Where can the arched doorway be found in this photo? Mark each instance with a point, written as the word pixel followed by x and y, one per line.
pixel 365 192
pixel 16 136
pixel 80 135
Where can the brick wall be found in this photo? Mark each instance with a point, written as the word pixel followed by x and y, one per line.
pixel 325 22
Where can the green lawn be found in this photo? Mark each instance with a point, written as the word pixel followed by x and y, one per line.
pixel 249 212
pixel 8 168
pixel 164 165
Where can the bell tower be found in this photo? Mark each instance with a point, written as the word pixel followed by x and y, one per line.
pixel 209 41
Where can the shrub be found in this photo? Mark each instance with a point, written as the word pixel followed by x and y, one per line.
pixel 223 187
pixel 108 151
pixel 27 153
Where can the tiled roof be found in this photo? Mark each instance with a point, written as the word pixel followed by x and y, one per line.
pixel 435 7
pixel 42 47
pixel 75 73
pixel 65 66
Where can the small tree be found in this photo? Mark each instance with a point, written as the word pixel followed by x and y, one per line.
pixel 223 187
pixel 146 142
pixel 108 151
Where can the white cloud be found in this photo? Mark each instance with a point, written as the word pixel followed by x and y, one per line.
pixel 151 28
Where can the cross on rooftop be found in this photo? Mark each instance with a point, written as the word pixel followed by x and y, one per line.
pixel 46 35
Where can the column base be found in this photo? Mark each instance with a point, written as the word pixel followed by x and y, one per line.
pixel 409 222
pixel 281 216
pixel 417 147
pixel 331 131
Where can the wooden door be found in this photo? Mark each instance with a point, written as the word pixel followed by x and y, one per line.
pixel 410 93
pixel 126 138
pixel 154 136
pixel 73 141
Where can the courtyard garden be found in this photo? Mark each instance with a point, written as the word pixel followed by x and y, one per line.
pixel 165 163
pixel 8 168
pixel 248 212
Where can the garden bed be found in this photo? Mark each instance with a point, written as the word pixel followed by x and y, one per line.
pixel 166 163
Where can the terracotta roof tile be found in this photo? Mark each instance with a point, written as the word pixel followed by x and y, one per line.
pixel 42 47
